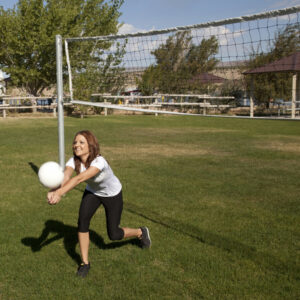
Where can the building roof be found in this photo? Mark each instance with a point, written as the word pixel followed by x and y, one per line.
pixel 286 64
pixel 206 78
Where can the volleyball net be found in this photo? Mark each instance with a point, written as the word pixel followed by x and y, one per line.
pixel 214 66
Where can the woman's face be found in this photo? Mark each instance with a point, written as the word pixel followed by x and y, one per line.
pixel 80 146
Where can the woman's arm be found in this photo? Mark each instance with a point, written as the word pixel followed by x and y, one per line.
pixel 67 175
pixel 69 183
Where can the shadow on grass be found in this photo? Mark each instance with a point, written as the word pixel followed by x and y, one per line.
pixel 235 247
pixel 69 235
pixel 34 167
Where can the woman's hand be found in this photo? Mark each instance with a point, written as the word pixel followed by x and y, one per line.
pixel 53 197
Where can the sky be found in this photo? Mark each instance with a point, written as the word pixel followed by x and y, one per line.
pixel 143 15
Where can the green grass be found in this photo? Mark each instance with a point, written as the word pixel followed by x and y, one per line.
pixel 220 197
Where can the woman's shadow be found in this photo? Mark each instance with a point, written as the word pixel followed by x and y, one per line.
pixel 69 235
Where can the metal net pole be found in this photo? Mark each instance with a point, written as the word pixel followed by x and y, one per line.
pixel 60 104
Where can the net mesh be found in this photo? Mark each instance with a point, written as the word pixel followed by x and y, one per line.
pixel 219 62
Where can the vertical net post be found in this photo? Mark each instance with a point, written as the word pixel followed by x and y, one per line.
pixel 69 69
pixel 60 104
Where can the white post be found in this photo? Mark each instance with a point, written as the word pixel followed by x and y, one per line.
pixel 60 103
pixel 204 107
pixel 54 111
pixel 294 88
pixel 298 91
pixel 105 109
pixel 251 98
pixel 4 110
pixel 34 103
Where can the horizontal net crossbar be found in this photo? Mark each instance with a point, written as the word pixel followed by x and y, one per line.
pixel 118 107
pixel 121 107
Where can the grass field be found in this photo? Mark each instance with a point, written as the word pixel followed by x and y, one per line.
pixel 220 197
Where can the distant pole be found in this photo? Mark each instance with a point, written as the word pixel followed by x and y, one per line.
pixel 294 95
pixel 251 98
pixel 60 103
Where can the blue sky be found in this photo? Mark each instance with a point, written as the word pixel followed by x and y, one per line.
pixel 140 15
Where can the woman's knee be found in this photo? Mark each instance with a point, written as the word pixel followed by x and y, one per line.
pixel 116 235
pixel 83 224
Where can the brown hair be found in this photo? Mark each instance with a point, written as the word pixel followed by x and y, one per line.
pixel 94 149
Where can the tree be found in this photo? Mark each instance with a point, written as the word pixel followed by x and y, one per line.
pixel 232 88
pixel 27 36
pixel 269 86
pixel 178 61
pixel 95 71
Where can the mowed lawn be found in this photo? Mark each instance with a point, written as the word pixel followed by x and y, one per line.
pixel 220 197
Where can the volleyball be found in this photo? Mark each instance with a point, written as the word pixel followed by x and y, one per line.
pixel 51 174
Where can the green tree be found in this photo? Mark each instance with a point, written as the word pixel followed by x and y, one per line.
pixel 232 88
pixel 27 36
pixel 178 61
pixel 269 86
pixel 96 71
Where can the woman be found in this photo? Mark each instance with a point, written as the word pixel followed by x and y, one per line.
pixel 103 187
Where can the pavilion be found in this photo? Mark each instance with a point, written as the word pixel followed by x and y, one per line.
pixel 289 64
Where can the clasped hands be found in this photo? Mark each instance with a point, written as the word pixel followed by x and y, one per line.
pixel 53 197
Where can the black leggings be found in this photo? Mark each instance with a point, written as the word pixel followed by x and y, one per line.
pixel 113 209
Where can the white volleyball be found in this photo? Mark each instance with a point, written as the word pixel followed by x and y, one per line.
pixel 51 174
